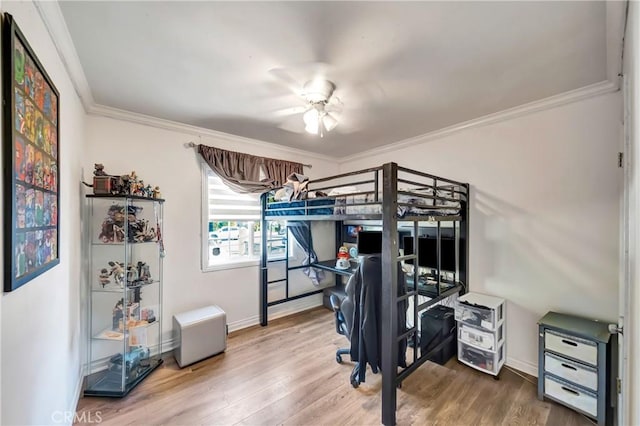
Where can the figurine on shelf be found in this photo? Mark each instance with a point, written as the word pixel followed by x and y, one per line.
pixel 103 278
pixel 99 170
pixel 117 270
pixel 156 192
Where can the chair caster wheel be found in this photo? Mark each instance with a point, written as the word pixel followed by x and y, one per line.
pixel 338 359
pixel 354 383
pixel 399 385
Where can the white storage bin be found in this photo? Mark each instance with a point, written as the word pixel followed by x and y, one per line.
pixel 200 333
pixel 489 362
pixel 480 338
pixel 571 395
pixel 572 371
pixel 480 310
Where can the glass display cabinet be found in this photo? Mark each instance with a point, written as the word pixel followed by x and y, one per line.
pixel 123 272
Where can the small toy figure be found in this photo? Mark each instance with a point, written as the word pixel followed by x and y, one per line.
pixel 103 278
pixel 117 270
pixel 99 170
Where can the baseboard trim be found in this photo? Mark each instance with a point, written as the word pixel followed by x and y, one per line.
pixel 524 366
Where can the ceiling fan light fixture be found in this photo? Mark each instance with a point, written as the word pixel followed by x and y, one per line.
pixel 329 122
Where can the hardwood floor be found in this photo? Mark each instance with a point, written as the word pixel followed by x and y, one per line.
pixel 286 373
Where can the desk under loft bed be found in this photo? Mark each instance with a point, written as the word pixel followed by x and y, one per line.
pixel 388 196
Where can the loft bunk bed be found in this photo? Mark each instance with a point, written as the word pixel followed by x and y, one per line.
pixel 387 196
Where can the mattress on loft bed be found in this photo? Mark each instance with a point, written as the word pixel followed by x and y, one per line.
pixel 342 205
pixel 419 206
pixel 298 207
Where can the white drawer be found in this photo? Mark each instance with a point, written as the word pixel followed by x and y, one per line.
pixel 572 371
pixel 580 349
pixel 571 395
pixel 477 337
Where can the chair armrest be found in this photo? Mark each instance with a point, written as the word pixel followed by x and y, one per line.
pixel 335 303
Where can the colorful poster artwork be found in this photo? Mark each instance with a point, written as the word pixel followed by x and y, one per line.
pixel 46 131
pixel 39 90
pixel 29 120
pixel 54 108
pixel 30 148
pixel 29 209
pixel 39 208
pixel 29 77
pixel 54 176
pixel 20 160
pixel 54 211
pixel 39 129
pixel 47 208
pixel 46 173
pixel 18 64
pixel 19 111
pixel 46 108
pixel 20 253
pixel 38 170
pixel 29 163
pixel 30 251
pixel 47 255
pixel 53 138
pixel 54 244
pixel 21 206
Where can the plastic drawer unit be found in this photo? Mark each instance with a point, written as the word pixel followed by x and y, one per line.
pixel 576 365
pixel 481 332
pixel 200 333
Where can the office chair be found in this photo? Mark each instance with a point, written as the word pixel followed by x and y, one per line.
pixel 358 317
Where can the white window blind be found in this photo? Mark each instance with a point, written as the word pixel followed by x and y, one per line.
pixel 224 204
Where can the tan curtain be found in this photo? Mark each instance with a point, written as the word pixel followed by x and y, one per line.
pixel 241 172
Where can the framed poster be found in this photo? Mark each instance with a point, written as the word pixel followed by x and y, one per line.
pixel 31 161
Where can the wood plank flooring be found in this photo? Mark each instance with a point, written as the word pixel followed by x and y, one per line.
pixel 286 373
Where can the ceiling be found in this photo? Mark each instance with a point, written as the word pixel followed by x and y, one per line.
pixel 401 69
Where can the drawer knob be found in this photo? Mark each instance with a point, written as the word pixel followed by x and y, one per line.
pixel 569 342
pixel 570 390
pixel 570 367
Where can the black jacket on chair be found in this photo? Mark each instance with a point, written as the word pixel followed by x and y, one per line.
pixel 361 313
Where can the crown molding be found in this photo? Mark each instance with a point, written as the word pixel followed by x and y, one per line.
pixel 586 92
pixel 160 123
pixel 56 26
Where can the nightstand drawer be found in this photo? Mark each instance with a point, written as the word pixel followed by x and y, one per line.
pixel 572 371
pixel 571 395
pixel 583 350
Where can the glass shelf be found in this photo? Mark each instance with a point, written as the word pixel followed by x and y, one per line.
pixel 117 336
pixel 119 290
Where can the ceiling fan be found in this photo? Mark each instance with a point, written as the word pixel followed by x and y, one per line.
pixel 317 116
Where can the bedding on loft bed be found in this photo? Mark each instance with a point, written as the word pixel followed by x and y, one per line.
pixel 353 203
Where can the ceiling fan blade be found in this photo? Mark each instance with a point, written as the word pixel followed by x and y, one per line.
pixel 293 124
pixel 290 111
pixel 334 105
pixel 285 78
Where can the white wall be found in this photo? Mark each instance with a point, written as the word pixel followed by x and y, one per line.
pixel 159 157
pixel 544 211
pixel 40 320
pixel 631 70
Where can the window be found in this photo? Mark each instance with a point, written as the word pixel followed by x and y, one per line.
pixel 231 227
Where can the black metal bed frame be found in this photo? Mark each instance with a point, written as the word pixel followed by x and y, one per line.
pixel 385 181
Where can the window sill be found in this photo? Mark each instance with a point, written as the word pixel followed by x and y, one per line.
pixel 231 265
